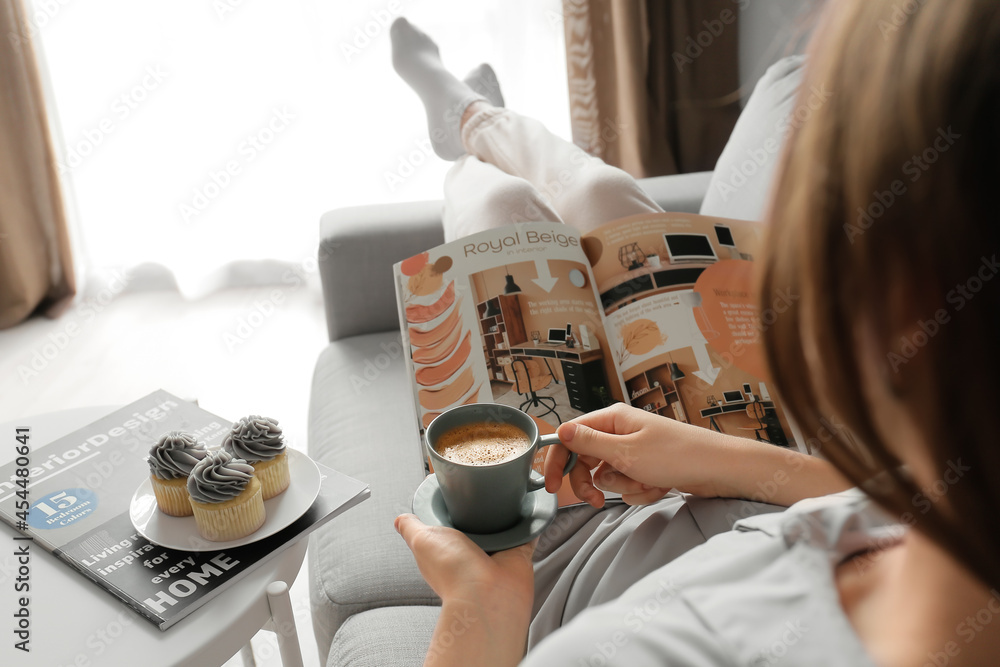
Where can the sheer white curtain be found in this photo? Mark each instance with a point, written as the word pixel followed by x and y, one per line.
pixel 204 138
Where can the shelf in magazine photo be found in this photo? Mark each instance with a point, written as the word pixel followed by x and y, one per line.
pixel 181 533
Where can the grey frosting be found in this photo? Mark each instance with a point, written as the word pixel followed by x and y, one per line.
pixel 174 455
pixel 254 439
pixel 219 477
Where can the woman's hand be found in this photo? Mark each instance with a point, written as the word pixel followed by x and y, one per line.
pixel 628 451
pixel 485 600
pixel 642 456
pixel 457 569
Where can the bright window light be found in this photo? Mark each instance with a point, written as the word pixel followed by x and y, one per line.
pixel 202 132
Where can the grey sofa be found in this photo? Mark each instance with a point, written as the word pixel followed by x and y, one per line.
pixel 368 598
pixel 370 605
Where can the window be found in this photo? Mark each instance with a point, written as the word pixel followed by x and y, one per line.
pixel 202 132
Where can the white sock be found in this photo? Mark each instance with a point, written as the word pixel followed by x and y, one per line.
pixel 416 59
pixel 484 81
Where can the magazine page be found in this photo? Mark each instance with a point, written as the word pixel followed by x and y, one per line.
pixel 506 316
pixel 682 321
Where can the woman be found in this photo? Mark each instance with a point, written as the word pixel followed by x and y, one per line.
pixel 894 337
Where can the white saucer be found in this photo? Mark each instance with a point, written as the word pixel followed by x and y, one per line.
pixel 537 512
pixel 181 533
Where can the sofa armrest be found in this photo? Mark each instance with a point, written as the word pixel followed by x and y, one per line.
pixel 357 249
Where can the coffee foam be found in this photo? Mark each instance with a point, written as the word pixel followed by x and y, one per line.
pixel 482 443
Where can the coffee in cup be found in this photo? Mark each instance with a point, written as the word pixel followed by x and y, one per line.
pixel 482 443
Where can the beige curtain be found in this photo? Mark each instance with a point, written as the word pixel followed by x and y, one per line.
pixel 653 84
pixel 36 268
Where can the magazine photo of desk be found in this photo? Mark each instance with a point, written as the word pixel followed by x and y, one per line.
pixel 540 353
pixel 768 428
pixel 734 404
pixel 582 372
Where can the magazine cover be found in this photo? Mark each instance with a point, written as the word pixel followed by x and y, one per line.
pixel 81 487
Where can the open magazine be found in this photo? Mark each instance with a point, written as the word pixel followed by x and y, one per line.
pixel 656 310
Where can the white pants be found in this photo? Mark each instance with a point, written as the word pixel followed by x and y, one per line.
pixel 518 171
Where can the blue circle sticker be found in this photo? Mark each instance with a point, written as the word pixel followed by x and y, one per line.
pixel 61 508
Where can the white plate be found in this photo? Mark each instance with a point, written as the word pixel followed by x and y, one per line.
pixel 181 533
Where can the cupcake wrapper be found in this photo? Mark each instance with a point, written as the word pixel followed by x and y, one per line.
pixel 172 498
pixel 230 521
pixel 273 475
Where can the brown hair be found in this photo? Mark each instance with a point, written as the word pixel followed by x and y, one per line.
pixel 885 222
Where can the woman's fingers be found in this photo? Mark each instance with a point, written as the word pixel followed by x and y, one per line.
pixel 409 526
pixel 584 439
pixel 607 478
pixel 555 459
pixel 644 497
pixel 600 436
pixel 583 485
pixel 617 419
pixel 579 476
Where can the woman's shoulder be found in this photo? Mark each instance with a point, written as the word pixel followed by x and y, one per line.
pixel 784 605
pixel 841 524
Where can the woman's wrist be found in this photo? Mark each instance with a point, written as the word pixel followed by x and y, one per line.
pixel 770 474
pixel 483 630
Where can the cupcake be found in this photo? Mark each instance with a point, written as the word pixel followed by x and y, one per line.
pixel 170 462
pixel 225 497
pixel 259 442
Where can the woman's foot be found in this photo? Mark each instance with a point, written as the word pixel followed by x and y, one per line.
pixel 416 59
pixel 484 81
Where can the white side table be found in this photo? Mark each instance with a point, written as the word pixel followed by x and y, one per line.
pixel 76 623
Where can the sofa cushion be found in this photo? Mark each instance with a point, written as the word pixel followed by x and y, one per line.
pixel 741 184
pixel 396 636
pixel 361 422
pixel 679 193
